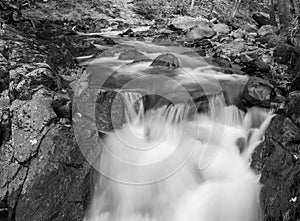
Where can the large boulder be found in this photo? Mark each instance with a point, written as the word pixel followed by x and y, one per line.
pixel 266 30
pixel 185 22
pixel 221 28
pixel 27 78
pixel 43 174
pixel 277 160
pixel 166 60
pixel 257 92
pixel 202 31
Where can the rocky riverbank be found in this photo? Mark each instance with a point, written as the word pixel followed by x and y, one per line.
pixel 43 173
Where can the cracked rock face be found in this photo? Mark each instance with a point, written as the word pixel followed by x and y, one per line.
pixel 43 175
pixel 277 159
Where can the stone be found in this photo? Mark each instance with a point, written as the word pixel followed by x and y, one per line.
pixel 166 60
pixel 165 40
pixel 83 48
pixel 277 160
pixel 292 107
pixel 265 30
pixel 221 28
pixel 26 79
pixel 295 86
pixel 257 92
pixel 56 184
pixel 261 18
pixel 104 41
pixel 200 32
pixel 257 65
pixel 29 122
pixel 130 55
pixel 283 53
pixel 127 32
pixel 185 22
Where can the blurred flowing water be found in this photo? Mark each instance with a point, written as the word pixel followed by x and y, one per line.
pixel 172 162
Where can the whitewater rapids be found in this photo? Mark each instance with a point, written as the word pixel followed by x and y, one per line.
pixel 172 164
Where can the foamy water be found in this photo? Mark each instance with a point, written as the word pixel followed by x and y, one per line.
pixel 172 164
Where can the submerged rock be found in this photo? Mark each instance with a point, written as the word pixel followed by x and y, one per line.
pixel 131 55
pixel 166 60
pixel 257 92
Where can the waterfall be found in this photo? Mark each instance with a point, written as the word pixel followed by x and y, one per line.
pixel 171 163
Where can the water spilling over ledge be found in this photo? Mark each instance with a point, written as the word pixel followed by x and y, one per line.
pixel 171 141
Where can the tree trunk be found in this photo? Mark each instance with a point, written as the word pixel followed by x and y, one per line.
pixel 284 14
pixel 272 13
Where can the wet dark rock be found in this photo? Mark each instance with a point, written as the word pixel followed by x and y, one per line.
pixel 127 32
pixel 261 18
pixel 283 53
pixel 131 55
pixel 105 41
pixel 257 92
pixel 202 43
pixel 201 31
pixel 277 159
pixel 62 106
pixel 83 48
pixel 166 60
pixel 165 40
pixel 222 62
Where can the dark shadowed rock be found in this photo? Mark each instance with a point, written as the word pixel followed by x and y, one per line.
pixel 296 84
pixel 105 41
pixel 164 39
pixel 261 18
pixel 127 32
pixel 257 67
pixel 166 60
pixel 257 92
pixel 131 55
pixel 277 159
pixel 283 53
pixel 82 48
